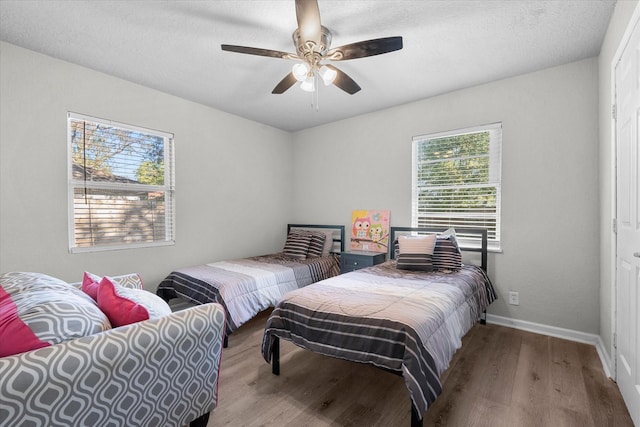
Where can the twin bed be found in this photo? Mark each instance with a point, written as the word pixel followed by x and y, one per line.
pixel 406 321
pixel 245 287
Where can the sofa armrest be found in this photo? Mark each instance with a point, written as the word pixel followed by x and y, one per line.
pixel 156 372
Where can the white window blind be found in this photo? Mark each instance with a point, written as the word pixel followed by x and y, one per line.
pixel 121 185
pixel 456 180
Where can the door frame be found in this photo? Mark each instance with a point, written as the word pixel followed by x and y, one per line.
pixel 624 41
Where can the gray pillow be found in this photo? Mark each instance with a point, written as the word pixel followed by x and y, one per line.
pixel 297 245
pixel 447 254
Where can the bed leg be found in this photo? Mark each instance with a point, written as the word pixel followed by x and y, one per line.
pixel 483 318
pixel 225 343
pixel 275 356
pixel 416 419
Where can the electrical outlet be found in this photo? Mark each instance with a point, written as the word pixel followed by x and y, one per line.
pixel 514 298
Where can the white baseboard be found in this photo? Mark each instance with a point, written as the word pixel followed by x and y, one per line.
pixel 554 331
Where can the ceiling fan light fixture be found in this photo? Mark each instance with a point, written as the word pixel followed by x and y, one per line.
pixel 313 47
pixel 327 74
pixel 308 85
pixel 300 71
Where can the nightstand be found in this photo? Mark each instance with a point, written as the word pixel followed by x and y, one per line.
pixel 355 260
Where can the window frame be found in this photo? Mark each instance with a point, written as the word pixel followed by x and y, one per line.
pixel 495 174
pixel 168 188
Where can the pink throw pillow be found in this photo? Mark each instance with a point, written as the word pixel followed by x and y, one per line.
pixel 119 310
pixel 90 285
pixel 17 337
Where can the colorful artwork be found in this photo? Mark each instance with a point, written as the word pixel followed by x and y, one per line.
pixel 370 230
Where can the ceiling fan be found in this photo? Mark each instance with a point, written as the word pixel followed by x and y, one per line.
pixel 313 48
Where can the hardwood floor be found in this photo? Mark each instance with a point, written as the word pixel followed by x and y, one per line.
pixel 500 377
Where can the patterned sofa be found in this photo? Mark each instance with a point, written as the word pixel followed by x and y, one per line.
pixel 157 372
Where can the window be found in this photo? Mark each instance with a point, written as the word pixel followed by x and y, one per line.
pixel 121 185
pixel 456 180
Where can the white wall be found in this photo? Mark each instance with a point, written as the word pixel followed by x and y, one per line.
pixel 550 210
pixel 234 177
pixel 617 26
pixel 233 186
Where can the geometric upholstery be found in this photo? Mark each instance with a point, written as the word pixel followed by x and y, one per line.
pixel 39 310
pixel 160 372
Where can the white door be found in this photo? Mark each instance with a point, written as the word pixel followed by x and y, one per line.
pixel 627 84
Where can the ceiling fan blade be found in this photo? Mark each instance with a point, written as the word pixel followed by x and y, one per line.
pixel 308 15
pixel 344 82
pixel 258 51
pixel 288 81
pixel 365 48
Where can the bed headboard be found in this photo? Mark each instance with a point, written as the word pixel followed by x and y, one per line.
pixel 338 233
pixel 469 239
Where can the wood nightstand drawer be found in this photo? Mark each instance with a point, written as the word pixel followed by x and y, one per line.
pixel 351 261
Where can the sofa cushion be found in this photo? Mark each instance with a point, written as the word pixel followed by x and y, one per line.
pixel 37 311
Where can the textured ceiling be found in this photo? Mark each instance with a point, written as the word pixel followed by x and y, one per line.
pixel 174 47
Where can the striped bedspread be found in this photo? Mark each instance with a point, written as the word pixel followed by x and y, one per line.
pixel 408 322
pixel 246 286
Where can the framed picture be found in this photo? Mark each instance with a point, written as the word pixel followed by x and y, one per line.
pixel 370 230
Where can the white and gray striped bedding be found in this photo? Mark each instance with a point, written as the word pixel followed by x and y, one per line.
pixel 405 321
pixel 246 286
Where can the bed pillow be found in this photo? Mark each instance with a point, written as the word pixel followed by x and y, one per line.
pixel 416 252
pixel 37 311
pixel 124 306
pixel 316 244
pixel 297 245
pixel 446 254
pixel 396 249
pixel 328 243
pixel 328 240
